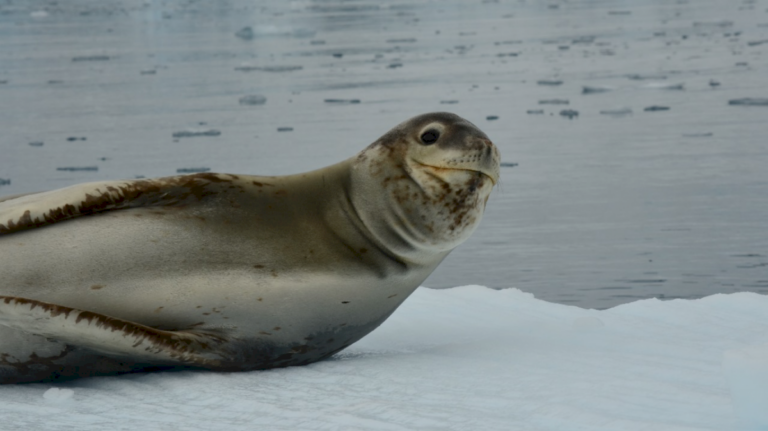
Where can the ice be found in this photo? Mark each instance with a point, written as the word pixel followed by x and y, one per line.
pixel 746 369
pixel 458 359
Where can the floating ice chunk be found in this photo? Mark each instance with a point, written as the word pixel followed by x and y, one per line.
pixel 191 133
pixel 56 394
pixel 551 82
pixel 664 86
pixel 588 89
pixel 746 371
pixel 91 58
pixel 617 112
pixel 268 68
pixel 245 33
pixel 643 76
pixel 253 99
pixel 342 101
pixel 554 102
pixel 749 101
pixel 78 168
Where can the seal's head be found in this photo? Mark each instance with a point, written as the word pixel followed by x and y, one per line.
pixel 425 184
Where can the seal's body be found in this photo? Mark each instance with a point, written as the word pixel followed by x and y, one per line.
pixel 234 272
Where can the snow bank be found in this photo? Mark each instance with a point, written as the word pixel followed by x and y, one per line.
pixel 463 358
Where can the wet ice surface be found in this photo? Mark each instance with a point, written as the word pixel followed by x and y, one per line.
pixel 617 203
pixel 468 358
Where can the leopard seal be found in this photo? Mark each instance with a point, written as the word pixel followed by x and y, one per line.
pixel 234 272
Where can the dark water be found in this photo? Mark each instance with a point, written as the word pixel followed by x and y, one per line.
pixel 650 184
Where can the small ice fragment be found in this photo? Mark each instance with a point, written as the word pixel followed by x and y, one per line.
pixel 5 182
pixel 192 170
pixel 723 23
pixel 655 108
pixel 664 86
pixel 492 117
pixel 746 370
pixel 549 82
pixel 285 129
pixel 253 99
pixel 342 101
pixel 37 143
pixel 78 168
pixel 554 102
pixel 584 39
pixel 91 58
pixel 587 323
pixel 56 394
pixel 617 112
pixel 587 89
pixel 697 135
pixel 643 76
pixel 191 133
pixel 570 113
pixel 268 68
pixel 245 33
pixel 749 101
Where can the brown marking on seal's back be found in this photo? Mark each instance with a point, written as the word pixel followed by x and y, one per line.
pixel 164 192
pixel 97 287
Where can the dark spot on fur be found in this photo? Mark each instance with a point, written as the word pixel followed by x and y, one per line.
pixel 257 266
pixel 391 296
pixel 276 328
pixel 158 309
pixel 97 286
pixel 345 302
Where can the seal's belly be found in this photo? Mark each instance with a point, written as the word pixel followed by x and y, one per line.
pixel 173 274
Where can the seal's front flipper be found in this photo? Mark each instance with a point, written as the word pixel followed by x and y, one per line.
pixel 113 337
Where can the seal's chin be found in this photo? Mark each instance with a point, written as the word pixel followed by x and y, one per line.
pixel 492 175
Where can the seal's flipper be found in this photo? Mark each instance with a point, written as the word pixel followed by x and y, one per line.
pixel 113 337
pixel 33 210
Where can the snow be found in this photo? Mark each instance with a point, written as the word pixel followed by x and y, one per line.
pixel 459 359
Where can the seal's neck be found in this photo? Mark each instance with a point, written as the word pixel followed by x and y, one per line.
pixel 414 213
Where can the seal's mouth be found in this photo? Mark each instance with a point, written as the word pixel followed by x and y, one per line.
pixel 491 175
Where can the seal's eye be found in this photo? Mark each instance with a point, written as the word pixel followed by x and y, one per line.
pixel 430 137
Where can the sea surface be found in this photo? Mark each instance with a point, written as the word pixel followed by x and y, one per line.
pixel 634 133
